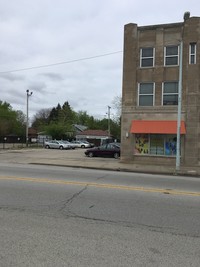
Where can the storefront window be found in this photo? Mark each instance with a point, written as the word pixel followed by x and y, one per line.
pixel 141 144
pixel 155 144
pixel 170 145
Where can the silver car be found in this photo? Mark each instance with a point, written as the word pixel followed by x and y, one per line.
pixel 56 144
pixel 81 144
pixel 72 146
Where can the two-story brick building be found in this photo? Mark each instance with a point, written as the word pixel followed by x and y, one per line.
pixel 150 95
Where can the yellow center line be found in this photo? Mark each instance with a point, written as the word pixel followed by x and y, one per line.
pixel 109 186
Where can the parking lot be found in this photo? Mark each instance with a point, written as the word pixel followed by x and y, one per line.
pixel 76 158
pixel 73 158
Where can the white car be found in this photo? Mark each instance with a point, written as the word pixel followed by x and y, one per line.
pixel 81 144
pixel 56 144
pixel 72 146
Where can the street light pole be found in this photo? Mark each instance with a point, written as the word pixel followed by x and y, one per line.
pixel 27 118
pixel 178 154
pixel 109 120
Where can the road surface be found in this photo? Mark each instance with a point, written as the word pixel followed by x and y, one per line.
pixel 56 216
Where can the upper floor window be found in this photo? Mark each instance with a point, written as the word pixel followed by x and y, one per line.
pixel 171 55
pixel 146 94
pixel 170 93
pixel 192 53
pixel 147 57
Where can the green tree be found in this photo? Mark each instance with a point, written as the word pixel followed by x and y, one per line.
pixel 11 122
pixel 19 124
pixel 58 122
pixel 54 114
pixel 58 130
pixel 83 118
pixel 115 127
pixel 41 119
pixel 66 114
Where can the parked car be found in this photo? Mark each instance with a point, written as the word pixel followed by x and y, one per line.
pixel 116 144
pixel 72 146
pixel 56 144
pixel 81 144
pixel 88 143
pixel 107 150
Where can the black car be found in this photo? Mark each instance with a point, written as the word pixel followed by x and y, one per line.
pixel 107 150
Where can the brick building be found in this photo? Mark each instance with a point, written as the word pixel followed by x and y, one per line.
pixel 151 72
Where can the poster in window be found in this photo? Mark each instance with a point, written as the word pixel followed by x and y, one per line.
pixel 141 144
pixel 170 145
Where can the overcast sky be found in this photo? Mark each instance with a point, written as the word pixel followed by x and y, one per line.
pixel 84 37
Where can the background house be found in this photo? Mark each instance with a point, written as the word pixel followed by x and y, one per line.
pixel 97 137
pixel 79 128
pixel 32 135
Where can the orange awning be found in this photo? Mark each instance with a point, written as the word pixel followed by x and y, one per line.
pixel 156 127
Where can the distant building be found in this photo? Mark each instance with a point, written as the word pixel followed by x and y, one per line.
pixel 32 135
pixel 79 128
pixel 42 137
pixel 98 137
pixel 151 70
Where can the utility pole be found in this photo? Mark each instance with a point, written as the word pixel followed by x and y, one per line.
pixel 27 118
pixel 178 142
pixel 109 120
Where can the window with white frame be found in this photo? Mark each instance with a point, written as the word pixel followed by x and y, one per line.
pixel 147 57
pixel 192 53
pixel 170 93
pixel 146 94
pixel 171 55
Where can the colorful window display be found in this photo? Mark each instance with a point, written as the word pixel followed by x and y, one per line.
pixel 155 144
pixel 142 144
pixel 170 145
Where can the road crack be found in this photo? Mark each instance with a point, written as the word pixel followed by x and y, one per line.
pixel 71 199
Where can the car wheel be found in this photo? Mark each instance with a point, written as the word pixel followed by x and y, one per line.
pixel 82 146
pixel 116 155
pixel 61 147
pixel 91 154
pixel 47 146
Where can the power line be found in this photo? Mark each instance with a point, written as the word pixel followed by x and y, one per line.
pixel 61 63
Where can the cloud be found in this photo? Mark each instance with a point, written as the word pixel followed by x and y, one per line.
pixel 52 76
pixel 12 77
pixel 42 32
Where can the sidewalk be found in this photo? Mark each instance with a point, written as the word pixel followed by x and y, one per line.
pixel 77 158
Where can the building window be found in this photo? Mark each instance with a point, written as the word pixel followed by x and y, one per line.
pixel 147 57
pixel 171 55
pixel 146 94
pixel 192 53
pixel 155 144
pixel 170 93
pixel 170 145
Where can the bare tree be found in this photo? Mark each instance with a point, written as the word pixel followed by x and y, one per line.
pixel 117 105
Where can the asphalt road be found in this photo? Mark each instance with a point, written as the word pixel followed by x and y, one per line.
pixel 56 216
